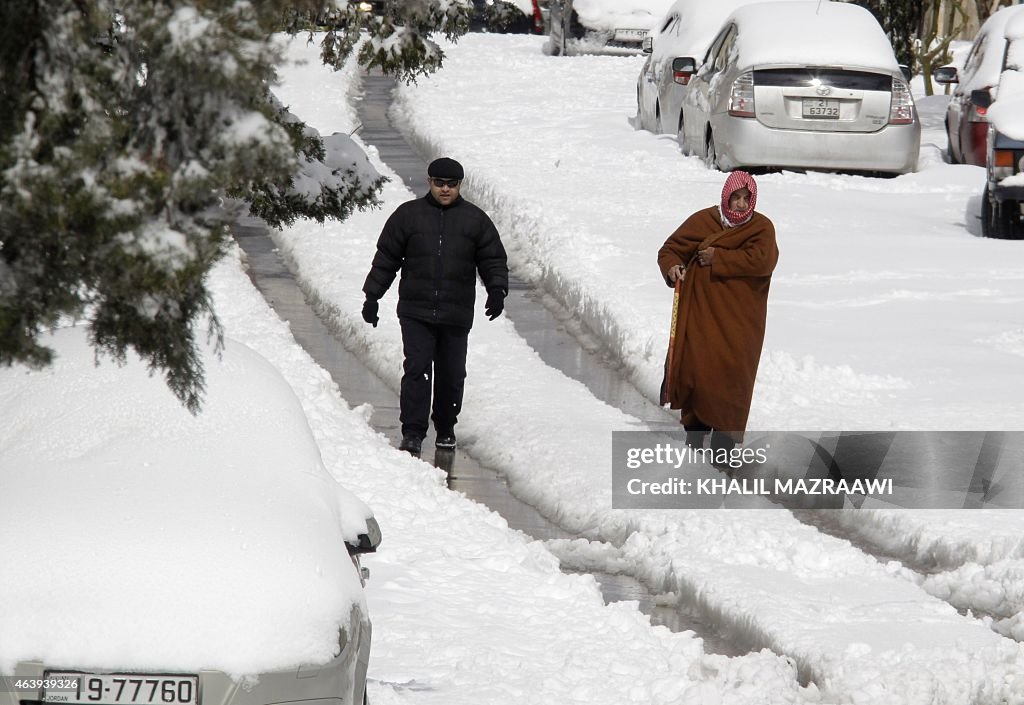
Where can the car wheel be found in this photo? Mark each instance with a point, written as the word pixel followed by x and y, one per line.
pixel 1000 219
pixel 711 154
pixel 987 215
pixel 681 136
pixel 657 118
pixel 1008 220
pixel 949 145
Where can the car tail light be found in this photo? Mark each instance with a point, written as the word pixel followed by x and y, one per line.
pixel 1003 162
pixel 1002 157
pixel 901 108
pixel 741 101
pixel 538 19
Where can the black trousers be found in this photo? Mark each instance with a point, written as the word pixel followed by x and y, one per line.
pixel 435 356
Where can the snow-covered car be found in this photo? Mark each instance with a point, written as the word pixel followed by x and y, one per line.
pixel 966 120
pixel 155 557
pixel 512 16
pixel 1004 184
pixel 595 26
pixel 801 85
pixel 687 29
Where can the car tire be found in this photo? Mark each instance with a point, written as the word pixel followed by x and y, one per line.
pixel 987 215
pixel 1000 220
pixel 950 159
pixel 1009 221
pixel 711 154
pixel 681 136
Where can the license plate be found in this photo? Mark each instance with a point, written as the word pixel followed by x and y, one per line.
pixel 121 689
pixel 821 108
pixel 630 35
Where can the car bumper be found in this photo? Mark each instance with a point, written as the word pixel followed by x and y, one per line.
pixel 1007 193
pixel 340 681
pixel 745 142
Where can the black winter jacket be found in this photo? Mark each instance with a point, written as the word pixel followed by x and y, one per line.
pixel 439 250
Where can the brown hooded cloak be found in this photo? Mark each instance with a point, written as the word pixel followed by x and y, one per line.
pixel 721 320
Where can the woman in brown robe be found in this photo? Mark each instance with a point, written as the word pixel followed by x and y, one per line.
pixel 725 256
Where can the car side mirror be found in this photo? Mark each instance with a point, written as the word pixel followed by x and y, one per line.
pixel 648 44
pixel 368 541
pixel 981 97
pixel 946 75
pixel 683 67
pixel 684 64
pixel 907 73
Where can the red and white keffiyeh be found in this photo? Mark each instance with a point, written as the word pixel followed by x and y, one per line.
pixel 736 181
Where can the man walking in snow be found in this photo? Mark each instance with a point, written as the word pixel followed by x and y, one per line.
pixel 439 242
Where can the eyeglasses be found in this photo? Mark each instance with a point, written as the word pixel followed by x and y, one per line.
pixel 450 183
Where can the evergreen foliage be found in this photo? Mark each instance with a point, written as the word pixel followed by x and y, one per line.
pixel 126 125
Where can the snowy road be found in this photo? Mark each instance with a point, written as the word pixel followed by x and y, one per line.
pixel 887 312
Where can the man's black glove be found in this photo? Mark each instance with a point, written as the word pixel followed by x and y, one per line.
pixel 495 302
pixel 370 311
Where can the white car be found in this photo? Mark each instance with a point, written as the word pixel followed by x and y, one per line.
pixel 687 29
pixel 601 26
pixel 801 85
pixel 153 557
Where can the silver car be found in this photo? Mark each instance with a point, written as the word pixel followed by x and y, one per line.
pixel 687 29
pixel 801 85
pixel 156 554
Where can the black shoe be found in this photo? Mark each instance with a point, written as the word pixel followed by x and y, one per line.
pixel 445 441
pixel 411 445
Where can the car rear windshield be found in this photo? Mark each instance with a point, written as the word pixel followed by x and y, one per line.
pixel 837 78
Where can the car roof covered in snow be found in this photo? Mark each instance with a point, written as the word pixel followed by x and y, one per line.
pixel 806 32
pixel 990 61
pixel 1007 112
pixel 700 22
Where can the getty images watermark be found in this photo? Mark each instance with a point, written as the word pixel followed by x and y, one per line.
pixel 913 469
